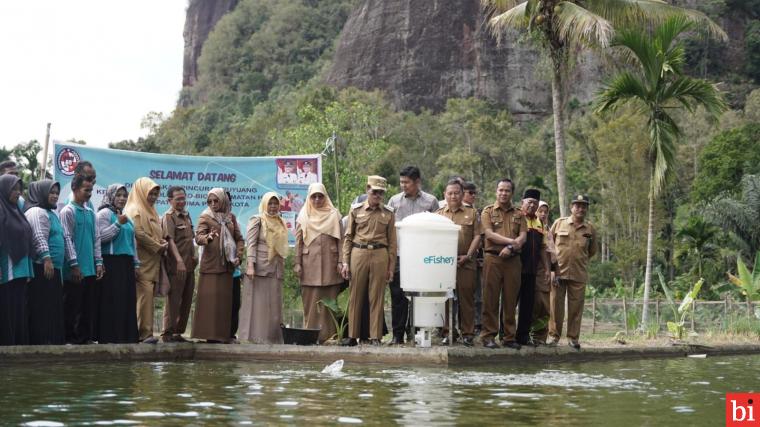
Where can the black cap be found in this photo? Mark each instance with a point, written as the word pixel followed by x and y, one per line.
pixel 532 193
pixel 307 163
pixel 581 198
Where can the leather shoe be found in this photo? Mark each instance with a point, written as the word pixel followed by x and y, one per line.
pixel 397 341
pixel 467 341
pixel 167 338
pixel 574 344
pixel 374 342
pixel 490 343
pixel 150 340
pixel 178 338
pixel 514 345
pixel 348 342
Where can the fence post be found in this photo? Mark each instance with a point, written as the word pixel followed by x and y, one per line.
pixel 749 309
pixel 657 312
pixel 625 315
pixel 693 313
pixel 725 312
pixel 593 315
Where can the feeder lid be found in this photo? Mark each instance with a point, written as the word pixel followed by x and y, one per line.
pixel 427 221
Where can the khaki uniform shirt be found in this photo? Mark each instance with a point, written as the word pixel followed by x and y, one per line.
pixel 508 223
pixel 319 260
pixel 211 261
pixel 178 227
pixel 467 218
pixel 371 225
pixel 575 245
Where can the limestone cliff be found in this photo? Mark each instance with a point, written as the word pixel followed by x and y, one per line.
pixel 200 19
pixel 424 52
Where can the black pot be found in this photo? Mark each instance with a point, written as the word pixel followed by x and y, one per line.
pixel 300 336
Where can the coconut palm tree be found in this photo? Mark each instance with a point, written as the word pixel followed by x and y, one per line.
pixel 657 86
pixel 561 26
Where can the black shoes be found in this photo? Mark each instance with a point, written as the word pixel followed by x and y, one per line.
pixel 514 345
pixel 467 341
pixel 348 342
pixel 490 343
pixel 574 344
pixel 397 340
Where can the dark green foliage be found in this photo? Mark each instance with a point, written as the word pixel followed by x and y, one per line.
pixel 752 49
pixel 724 161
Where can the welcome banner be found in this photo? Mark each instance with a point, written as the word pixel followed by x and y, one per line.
pixel 247 179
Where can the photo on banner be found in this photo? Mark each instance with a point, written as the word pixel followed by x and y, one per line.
pixel 247 179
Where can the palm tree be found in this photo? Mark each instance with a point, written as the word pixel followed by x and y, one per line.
pixel 562 25
pixel 740 214
pixel 657 87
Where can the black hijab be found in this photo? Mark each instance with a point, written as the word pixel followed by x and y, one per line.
pixel 16 235
pixel 39 192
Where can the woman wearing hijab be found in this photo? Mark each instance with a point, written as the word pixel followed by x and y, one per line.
pixel 51 246
pixel 118 297
pixel 219 234
pixel 151 246
pixel 318 258
pixel 267 246
pixel 16 268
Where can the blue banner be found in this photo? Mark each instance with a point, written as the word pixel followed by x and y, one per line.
pixel 246 178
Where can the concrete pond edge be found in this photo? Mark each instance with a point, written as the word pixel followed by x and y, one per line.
pixel 398 356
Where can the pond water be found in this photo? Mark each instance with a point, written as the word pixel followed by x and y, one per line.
pixel 685 391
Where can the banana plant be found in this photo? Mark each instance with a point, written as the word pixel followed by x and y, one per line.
pixel 676 328
pixel 749 282
pixel 338 314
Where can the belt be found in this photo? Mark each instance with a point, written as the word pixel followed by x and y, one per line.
pixel 493 252
pixel 369 246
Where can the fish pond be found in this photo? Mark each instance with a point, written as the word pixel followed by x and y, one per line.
pixel 683 391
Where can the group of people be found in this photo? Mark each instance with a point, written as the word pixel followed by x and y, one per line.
pixel 71 273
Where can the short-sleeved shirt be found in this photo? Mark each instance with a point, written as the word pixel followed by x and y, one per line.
pixel 178 226
pixel 508 223
pixel 467 218
pixel 368 225
pixel 575 244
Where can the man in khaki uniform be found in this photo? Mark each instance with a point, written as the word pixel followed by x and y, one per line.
pixel 369 258
pixel 467 248
pixel 505 230
pixel 576 242
pixel 180 264
pixel 544 276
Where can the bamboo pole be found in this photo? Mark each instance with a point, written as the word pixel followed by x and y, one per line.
pixel 693 313
pixel 657 312
pixel 43 163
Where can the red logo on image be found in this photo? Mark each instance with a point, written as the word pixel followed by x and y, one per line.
pixel 742 409
pixel 67 161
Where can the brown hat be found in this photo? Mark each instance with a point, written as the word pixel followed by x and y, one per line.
pixel 580 199
pixel 376 182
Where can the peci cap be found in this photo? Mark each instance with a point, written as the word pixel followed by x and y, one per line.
pixel 376 182
pixel 581 198
pixel 532 193
pixel 307 162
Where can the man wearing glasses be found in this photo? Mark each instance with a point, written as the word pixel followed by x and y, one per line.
pixel 369 258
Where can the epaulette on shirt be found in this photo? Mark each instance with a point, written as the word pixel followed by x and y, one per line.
pixel 356 205
pixel 388 208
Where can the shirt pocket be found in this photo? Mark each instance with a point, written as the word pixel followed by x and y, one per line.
pixel 562 239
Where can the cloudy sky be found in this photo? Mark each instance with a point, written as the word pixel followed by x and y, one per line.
pixel 92 68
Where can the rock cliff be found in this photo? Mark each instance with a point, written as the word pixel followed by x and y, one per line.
pixel 200 19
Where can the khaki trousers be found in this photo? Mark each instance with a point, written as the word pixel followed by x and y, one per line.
pixel 575 292
pixel 369 271
pixel 315 315
pixel 145 308
pixel 177 304
pixel 465 286
pixel 502 279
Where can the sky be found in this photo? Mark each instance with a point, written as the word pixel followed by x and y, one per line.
pixel 93 69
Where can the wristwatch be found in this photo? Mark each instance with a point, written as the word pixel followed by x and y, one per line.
pixel 511 248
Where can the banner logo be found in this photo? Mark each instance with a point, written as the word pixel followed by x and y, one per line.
pixel 67 161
